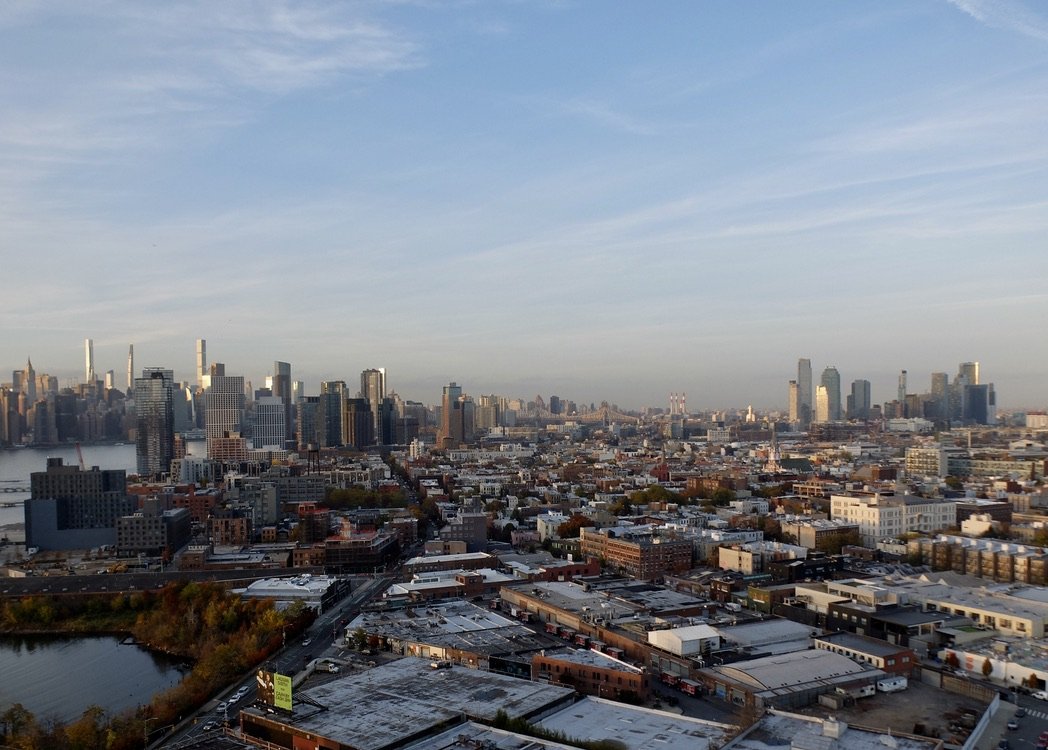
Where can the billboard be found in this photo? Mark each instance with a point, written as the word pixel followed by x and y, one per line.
pixel 282 691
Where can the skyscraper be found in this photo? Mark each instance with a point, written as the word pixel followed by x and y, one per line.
pixel 456 417
pixel 282 390
pixel 795 402
pixel 970 372
pixel 902 387
pixel 804 391
pixel 130 368
pixel 154 421
pixel 373 388
pixel 859 402
pixel 201 362
pixel 330 409
pixel 941 397
pixel 223 407
pixel 268 428
pixel 831 380
pixel 89 361
pixel 822 404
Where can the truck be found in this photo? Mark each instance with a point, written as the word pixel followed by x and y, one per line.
pixel 892 684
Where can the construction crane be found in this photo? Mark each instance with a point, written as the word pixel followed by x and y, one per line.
pixel 80 456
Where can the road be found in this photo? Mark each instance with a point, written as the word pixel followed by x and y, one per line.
pixel 291 659
pixel 1030 726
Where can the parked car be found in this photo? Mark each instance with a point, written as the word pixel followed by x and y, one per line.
pixel 1013 723
pixel 306 641
pixel 221 707
pixel 1020 712
pixel 1040 695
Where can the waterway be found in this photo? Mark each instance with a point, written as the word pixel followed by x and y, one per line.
pixel 58 677
pixel 17 464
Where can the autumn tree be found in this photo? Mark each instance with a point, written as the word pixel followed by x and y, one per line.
pixel 570 528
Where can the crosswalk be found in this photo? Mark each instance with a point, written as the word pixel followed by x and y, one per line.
pixel 1042 715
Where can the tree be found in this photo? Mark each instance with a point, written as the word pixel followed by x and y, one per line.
pixel 951 660
pixel 722 496
pixel 987 667
pixel 570 528
pixel 360 639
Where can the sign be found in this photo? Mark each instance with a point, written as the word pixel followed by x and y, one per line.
pixel 282 691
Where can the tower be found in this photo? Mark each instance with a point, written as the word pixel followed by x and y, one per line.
pixel 223 407
pixel 969 371
pixel 154 421
pixel 373 388
pixel 282 389
pixel 859 402
pixel 794 402
pixel 902 387
pixel 804 391
pixel 89 361
pixel 941 396
pixel 201 362
pixel 130 368
pixel 831 381
pixel 452 417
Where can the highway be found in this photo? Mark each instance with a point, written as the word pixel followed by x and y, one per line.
pixel 291 659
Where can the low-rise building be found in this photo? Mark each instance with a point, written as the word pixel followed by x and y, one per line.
pixel 591 673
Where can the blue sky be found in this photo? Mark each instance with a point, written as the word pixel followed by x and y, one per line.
pixel 598 200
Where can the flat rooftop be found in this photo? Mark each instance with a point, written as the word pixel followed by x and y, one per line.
pixel 783 730
pixel 635 727
pixel 590 658
pixel 385 706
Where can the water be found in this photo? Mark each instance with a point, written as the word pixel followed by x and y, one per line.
pixel 17 464
pixel 58 677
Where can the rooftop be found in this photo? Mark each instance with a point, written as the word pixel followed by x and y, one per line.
pixel 637 728
pixel 789 731
pixel 406 698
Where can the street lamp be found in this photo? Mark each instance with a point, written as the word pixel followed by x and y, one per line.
pixel 145 729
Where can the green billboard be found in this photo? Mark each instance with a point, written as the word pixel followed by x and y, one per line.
pixel 282 691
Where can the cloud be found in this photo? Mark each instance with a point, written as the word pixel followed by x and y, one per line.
pixel 1006 14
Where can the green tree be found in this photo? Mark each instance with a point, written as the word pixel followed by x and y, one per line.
pixel 360 639
pixel 722 496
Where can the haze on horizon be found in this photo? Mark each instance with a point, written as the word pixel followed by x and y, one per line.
pixel 589 199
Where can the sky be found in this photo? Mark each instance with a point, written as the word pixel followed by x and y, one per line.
pixel 603 201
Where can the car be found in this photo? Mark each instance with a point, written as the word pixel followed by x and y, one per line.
pixel 209 726
pixel 1020 712
pixel 306 641
pixel 1004 745
pixel 1040 695
pixel 1013 723
pixel 221 707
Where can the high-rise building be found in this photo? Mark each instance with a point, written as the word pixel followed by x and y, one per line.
pixel 822 404
pixel 306 410
pixel 804 390
pixel 223 408
pixel 330 410
pixel 795 402
pixel 130 368
pixel 373 388
pixel 358 424
pixel 89 361
pixel 268 427
pixel 456 417
pixel 154 421
pixel 282 390
pixel 831 381
pixel 941 397
pixel 970 372
pixel 201 362
pixel 859 401
pixel 902 387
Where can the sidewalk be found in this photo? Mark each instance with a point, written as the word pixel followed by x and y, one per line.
pixel 997 728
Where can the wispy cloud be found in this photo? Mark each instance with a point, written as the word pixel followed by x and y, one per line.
pixel 1006 14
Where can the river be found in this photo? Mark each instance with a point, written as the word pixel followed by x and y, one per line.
pixel 58 677
pixel 17 464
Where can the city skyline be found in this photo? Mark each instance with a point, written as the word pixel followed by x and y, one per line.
pixel 594 201
pixel 375 379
